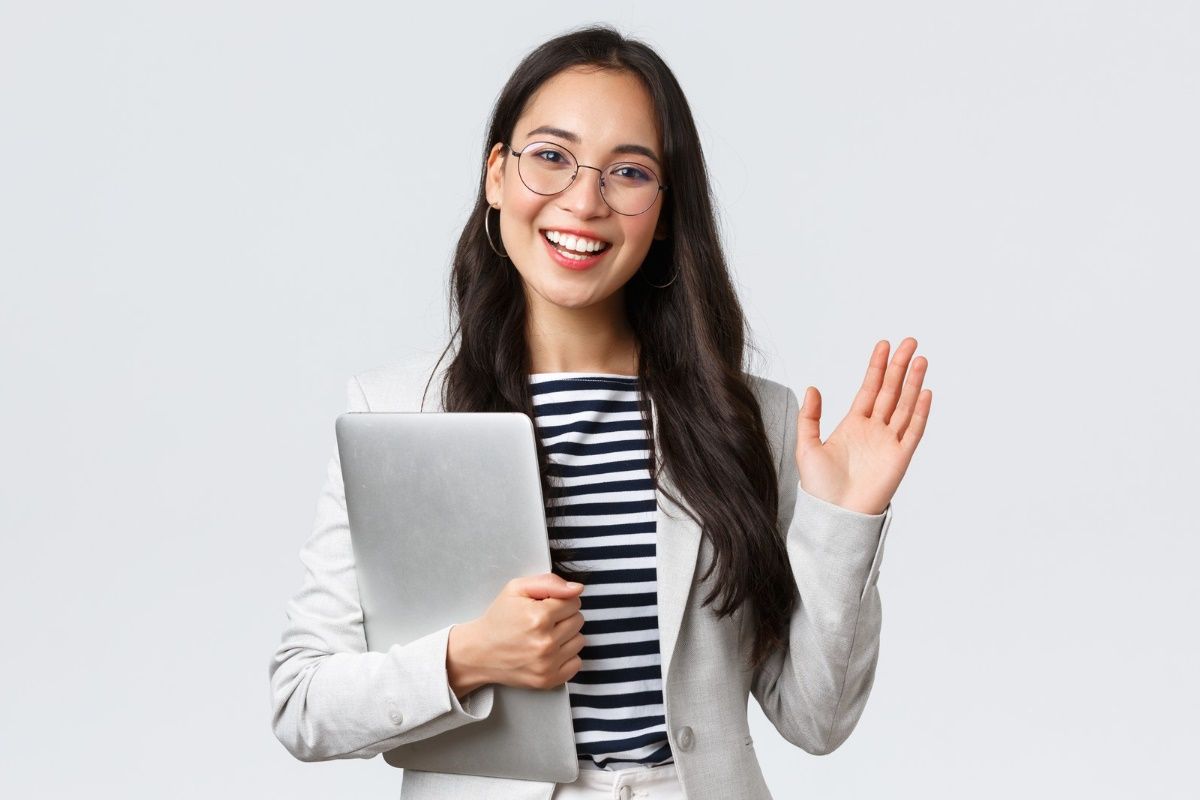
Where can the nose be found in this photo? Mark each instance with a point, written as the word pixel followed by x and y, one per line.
pixel 583 196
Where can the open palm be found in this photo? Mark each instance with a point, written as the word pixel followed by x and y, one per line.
pixel 860 465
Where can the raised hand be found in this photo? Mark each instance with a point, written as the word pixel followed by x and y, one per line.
pixel 860 465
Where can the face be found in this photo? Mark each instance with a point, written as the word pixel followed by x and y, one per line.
pixel 602 111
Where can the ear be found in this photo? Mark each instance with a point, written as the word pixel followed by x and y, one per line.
pixel 494 182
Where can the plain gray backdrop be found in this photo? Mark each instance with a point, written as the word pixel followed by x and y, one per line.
pixel 212 214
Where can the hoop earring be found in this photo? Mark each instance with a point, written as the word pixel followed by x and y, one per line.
pixel 668 283
pixel 487 232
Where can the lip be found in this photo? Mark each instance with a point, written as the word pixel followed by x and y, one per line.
pixel 570 263
pixel 577 232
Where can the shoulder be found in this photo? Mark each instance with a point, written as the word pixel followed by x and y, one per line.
pixel 412 382
pixel 400 384
pixel 777 403
pixel 774 398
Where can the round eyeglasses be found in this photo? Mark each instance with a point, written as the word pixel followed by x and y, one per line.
pixel 628 187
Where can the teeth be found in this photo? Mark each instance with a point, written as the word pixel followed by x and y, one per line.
pixel 576 243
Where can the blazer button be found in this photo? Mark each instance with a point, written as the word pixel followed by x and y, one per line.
pixel 685 738
pixel 397 717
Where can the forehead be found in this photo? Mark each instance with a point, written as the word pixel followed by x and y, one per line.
pixel 605 109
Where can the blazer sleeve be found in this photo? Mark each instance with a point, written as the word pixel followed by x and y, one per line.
pixel 814 689
pixel 332 698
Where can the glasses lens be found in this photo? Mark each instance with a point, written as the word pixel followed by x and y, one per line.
pixel 546 168
pixel 630 188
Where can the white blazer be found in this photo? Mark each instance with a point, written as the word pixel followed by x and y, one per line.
pixel 333 699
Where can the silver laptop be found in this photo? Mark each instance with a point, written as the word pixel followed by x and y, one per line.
pixel 444 509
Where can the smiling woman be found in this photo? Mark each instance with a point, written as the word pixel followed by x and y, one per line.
pixel 591 293
pixel 553 209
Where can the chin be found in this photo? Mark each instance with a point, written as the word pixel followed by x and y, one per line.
pixel 570 299
pixel 567 296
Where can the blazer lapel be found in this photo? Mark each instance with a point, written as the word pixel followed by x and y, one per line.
pixel 678 547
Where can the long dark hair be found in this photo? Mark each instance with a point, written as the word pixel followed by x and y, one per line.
pixel 691 341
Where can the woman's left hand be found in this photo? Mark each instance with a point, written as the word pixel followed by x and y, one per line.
pixel 860 465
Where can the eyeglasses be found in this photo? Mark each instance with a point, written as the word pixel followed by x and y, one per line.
pixel 547 169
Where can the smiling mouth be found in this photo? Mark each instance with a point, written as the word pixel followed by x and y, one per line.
pixel 579 254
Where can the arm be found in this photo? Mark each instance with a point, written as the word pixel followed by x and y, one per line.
pixel 332 698
pixel 814 690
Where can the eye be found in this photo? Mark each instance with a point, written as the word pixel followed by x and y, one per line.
pixel 549 156
pixel 631 173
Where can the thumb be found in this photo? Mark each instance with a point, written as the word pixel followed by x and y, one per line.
pixel 540 587
pixel 808 422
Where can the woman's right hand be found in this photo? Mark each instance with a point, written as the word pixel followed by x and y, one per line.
pixel 528 637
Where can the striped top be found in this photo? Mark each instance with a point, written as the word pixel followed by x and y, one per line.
pixel 596 442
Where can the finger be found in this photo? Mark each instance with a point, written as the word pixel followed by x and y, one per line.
pixel 908 398
pixel 566 628
pixel 572 646
pixel 916 428
pixel 885 402
pixel 864 401
pixel 808 421
pixel 547 584
pixel 569 669
pixel 560 610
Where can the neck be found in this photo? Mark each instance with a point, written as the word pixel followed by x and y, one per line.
pixel 593 339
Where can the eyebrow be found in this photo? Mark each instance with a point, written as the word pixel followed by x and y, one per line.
pixel 635 149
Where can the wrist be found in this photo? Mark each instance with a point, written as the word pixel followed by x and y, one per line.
pixel 465 669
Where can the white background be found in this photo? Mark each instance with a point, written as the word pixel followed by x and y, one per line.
pixel 212 214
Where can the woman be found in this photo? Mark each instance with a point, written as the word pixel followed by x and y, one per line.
pixel 716 546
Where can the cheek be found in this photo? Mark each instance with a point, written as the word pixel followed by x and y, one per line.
pixel 640 235
pixel 520 209
pixel 518 231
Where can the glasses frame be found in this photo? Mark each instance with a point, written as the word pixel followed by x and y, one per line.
pixel 661 187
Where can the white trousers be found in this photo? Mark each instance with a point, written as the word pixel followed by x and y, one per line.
pixel 635 783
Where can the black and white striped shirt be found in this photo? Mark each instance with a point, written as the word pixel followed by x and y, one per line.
pixel 596 441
